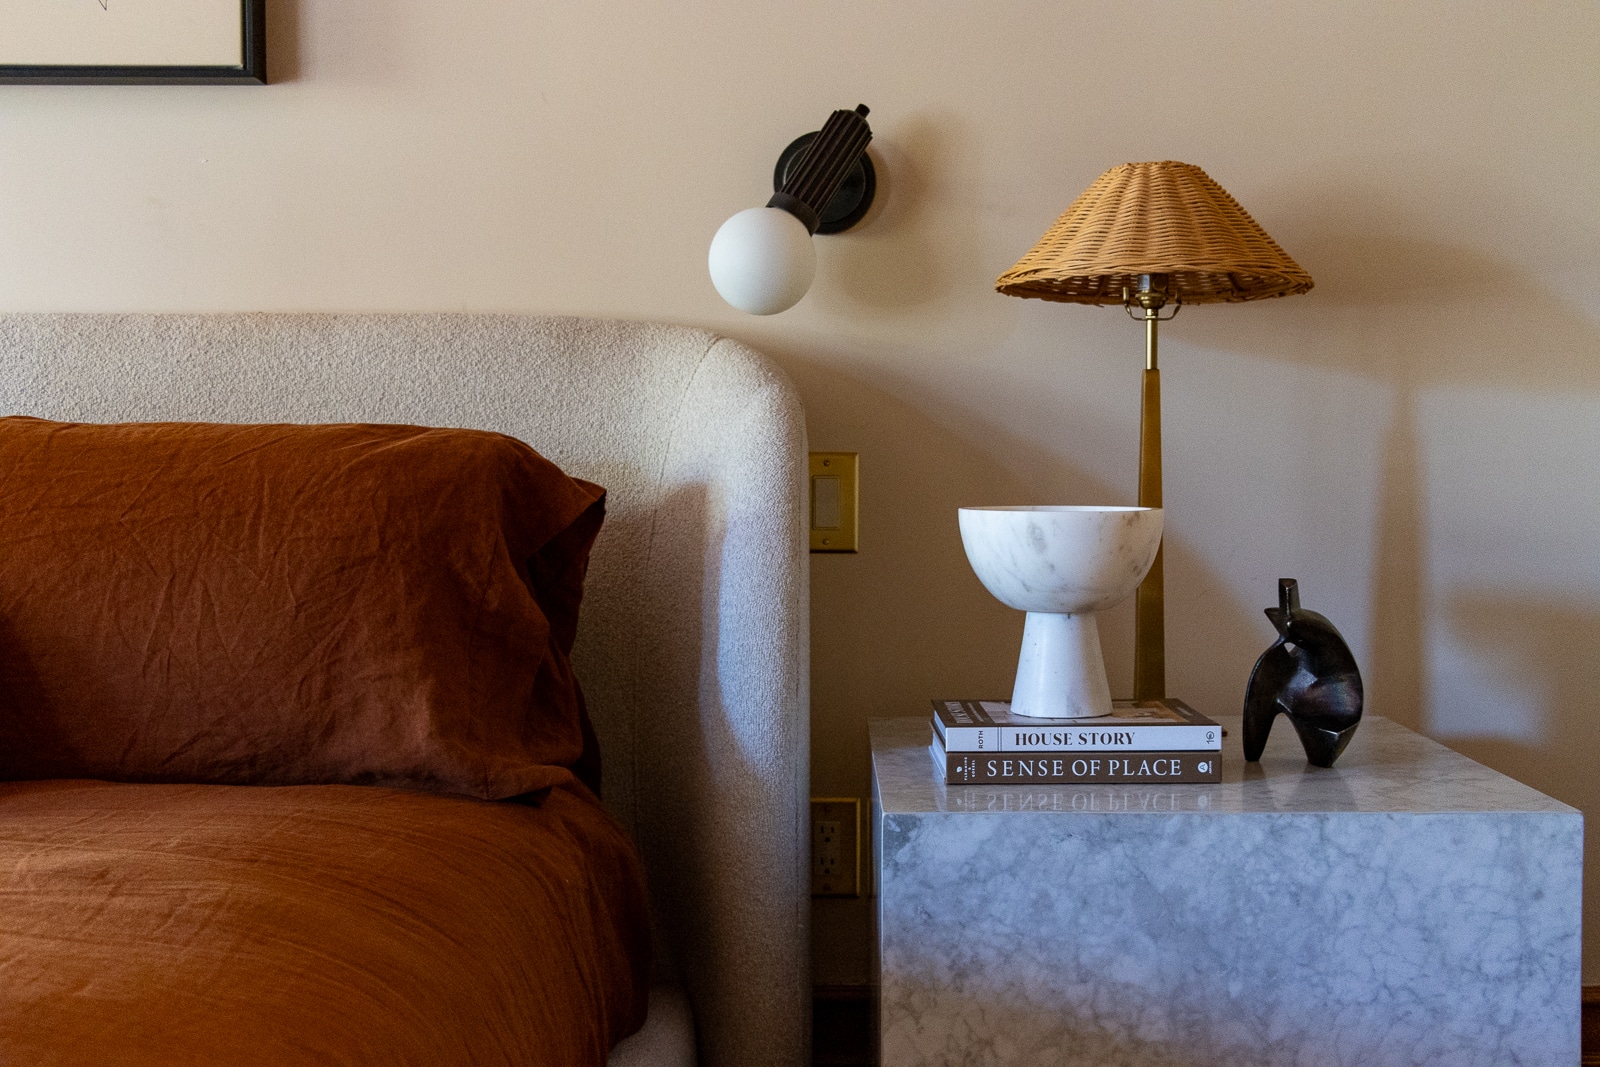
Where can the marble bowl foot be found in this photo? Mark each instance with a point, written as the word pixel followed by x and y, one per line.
pixel 1061 673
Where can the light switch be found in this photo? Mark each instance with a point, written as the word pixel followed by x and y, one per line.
pixel 834 480
pixel 825 502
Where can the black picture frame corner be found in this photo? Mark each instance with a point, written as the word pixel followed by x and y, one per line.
pixel 251 69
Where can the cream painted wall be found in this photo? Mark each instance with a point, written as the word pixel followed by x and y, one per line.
pixel 1416 440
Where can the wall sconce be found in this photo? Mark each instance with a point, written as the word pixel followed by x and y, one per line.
pixel 761 259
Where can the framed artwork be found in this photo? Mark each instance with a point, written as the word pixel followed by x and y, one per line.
pixel 133 42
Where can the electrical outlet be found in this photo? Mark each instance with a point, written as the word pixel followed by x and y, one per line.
pixel 835 847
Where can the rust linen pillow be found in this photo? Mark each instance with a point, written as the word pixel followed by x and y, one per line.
pixel 187 602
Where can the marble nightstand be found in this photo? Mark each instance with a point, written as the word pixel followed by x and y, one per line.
pixel 1408 906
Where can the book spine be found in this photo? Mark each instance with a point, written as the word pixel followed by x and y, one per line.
pixel 967 738
pixel 1082 739
pixel 1096 768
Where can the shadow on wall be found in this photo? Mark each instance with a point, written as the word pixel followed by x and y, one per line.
pixel 907 254
pixel 1424 316
pixel 1396 674
pixel 1547 652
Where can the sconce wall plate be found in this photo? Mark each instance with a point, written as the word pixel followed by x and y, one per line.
pixel 854 198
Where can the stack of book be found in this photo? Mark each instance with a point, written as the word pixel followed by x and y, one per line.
pixel 979 742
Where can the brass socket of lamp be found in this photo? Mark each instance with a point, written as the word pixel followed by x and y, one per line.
pixel 1151 294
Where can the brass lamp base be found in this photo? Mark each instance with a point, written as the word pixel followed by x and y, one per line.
pixel 1149 607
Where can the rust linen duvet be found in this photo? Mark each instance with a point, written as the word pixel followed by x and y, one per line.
pixel 242 925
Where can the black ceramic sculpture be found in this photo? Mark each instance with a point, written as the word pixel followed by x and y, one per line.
pixel 1310 676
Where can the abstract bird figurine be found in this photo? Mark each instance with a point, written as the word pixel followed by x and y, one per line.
pixel 1310 676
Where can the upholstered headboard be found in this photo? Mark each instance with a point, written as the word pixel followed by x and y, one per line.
pixel 693 644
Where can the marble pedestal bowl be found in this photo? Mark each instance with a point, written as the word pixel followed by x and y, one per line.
pixel 1061 565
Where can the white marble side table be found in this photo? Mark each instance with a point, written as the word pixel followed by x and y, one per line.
pixel 1408 906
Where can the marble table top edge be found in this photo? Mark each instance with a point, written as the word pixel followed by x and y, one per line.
pixel 1388 769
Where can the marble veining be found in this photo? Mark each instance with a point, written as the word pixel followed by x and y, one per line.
pixel 1408 906
pixel 1060 559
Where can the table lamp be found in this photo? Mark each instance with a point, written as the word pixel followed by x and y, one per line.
pixel 1146 235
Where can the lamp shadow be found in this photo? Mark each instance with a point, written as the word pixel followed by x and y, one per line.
pixel 1396 679
pixel 1546 652
pixel 1428 315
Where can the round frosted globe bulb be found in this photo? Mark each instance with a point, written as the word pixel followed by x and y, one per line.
pixel 762 260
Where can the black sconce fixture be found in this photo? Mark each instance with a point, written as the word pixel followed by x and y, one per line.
pixel 761 259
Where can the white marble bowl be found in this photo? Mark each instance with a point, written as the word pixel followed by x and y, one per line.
pixel 1061 565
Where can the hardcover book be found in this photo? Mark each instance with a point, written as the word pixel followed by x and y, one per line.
pixel 1133 726
pixel 1068 768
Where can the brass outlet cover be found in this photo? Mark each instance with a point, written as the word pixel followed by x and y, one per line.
pixel 835 846
pixel 835 501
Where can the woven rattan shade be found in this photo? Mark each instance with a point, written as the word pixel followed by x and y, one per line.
pixel 1155 218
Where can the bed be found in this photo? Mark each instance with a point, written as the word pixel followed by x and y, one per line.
pixel 691 650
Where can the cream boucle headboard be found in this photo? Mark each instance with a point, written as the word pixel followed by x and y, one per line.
pixel 693 644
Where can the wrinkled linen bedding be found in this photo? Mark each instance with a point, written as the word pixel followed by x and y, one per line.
pixel 247 925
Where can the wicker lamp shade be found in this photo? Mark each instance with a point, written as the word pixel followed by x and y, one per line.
pixel 1155 218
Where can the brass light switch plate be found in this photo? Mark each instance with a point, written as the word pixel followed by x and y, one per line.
pixel 835 847
pixel 835 477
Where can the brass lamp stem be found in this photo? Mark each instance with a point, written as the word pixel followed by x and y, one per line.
pixel 1150 344
pixel 1149 612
